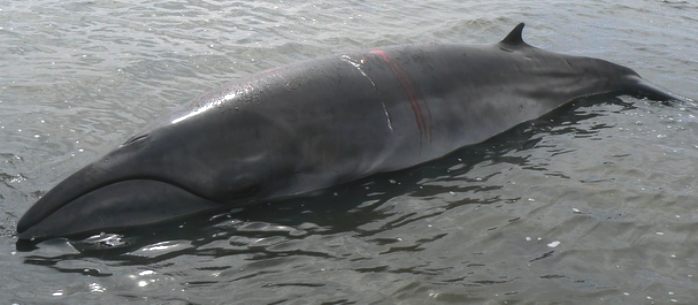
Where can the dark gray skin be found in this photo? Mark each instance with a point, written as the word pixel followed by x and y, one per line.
pixel 319 123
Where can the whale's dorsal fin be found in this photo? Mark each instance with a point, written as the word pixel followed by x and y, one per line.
pixel 514 38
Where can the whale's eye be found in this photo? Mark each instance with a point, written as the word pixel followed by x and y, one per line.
pixel 135 140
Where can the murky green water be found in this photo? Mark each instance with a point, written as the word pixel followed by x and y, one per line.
pixel 592 204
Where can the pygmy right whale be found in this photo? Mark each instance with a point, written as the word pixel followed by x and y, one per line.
pixel 311 125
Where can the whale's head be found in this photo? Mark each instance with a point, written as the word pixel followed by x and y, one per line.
pixel 183 168
pixel 140 183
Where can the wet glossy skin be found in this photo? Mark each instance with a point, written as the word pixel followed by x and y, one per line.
pixel 319 123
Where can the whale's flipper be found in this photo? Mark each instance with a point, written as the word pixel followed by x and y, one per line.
pixel 515 37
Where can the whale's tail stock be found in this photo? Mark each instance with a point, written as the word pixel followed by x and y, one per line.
pixel 643 89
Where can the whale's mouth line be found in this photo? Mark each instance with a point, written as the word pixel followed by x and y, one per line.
pixel 113 182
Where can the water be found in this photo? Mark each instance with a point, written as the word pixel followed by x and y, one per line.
pixel 592 204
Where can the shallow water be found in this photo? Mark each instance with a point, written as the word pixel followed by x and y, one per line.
pixel 591 204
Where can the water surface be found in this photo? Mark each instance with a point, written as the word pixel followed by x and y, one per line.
pixel 592 204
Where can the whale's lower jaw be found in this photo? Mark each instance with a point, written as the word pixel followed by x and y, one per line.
pixel 123 204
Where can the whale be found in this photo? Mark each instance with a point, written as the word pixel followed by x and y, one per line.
pixel 311 125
